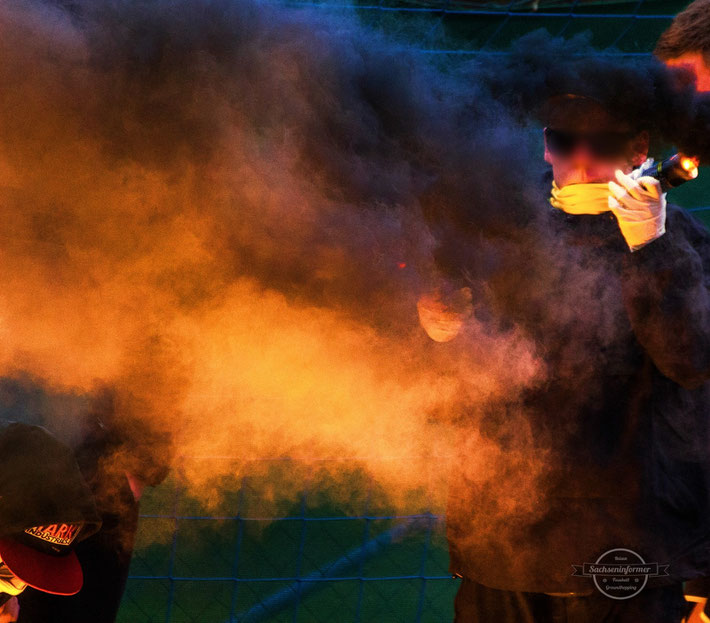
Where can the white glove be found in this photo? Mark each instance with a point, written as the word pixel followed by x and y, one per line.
pixel 639 206
pixel 636 173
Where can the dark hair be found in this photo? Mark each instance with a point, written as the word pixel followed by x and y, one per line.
pixel 689 32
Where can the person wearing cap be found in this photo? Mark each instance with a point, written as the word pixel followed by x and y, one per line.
pixel 620 421
pixel 119 454
pixel 592 155
pixel 46 509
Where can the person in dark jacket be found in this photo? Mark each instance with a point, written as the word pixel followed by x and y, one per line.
pixel 607 452
pixel 119 455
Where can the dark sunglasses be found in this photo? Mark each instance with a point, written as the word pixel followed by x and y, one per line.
pixel 600 144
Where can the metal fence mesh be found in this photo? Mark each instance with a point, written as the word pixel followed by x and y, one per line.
pixel 312 563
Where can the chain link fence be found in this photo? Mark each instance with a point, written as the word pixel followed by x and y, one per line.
pixel 313 562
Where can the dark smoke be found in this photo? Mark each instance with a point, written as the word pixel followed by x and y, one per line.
pixel 227 211
pixel 640 90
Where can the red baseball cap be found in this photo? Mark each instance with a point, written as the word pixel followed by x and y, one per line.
pixel 46 507
pixel 42 558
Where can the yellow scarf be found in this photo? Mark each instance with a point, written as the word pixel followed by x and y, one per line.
pixel 581 198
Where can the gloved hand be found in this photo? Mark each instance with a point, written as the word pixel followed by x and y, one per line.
pixel 639 206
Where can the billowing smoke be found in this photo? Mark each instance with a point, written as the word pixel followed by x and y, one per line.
pixel 640 91
pixel 216 209
pixel 227 211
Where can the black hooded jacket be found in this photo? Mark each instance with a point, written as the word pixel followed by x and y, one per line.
pixel 611 448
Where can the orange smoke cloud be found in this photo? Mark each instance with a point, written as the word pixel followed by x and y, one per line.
pixel 165 232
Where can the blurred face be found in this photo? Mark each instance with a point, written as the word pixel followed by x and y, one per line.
pixel 694 62
pixel 591 157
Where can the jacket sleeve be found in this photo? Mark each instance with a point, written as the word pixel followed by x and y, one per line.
pixel 666 289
